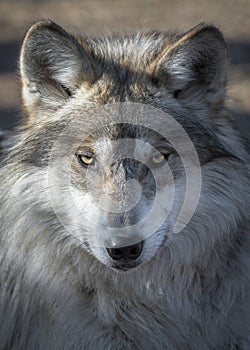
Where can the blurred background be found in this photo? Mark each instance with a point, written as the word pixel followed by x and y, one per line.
pixel 99 17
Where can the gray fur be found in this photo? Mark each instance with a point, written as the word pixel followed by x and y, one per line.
pixel 56 292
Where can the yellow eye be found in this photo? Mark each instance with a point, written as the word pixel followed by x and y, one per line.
pixel 158 159
pixel 86 160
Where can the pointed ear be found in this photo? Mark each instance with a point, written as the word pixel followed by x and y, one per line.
pixel 53 65
pixel 194 67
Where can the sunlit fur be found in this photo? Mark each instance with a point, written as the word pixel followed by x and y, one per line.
pixel 56 292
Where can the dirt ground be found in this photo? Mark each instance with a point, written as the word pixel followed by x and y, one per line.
pixel 99 17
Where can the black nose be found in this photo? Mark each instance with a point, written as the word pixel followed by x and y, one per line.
pixel 131 252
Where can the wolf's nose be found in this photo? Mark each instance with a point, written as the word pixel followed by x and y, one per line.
pixel 131 252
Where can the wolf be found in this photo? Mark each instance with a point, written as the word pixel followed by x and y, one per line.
pixel 119 136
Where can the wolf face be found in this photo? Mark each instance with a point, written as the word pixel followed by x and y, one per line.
pixel 117 170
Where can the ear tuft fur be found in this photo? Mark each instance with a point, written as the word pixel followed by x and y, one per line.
pixel 194 66
pixel 53 65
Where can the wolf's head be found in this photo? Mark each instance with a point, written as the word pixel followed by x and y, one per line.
pixel 126 126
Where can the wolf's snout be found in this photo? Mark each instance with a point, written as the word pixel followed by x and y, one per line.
pixel 128 253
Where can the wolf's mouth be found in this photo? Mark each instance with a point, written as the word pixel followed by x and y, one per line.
pixel 125 267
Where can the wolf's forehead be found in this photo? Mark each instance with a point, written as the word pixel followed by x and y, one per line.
pixel 124 138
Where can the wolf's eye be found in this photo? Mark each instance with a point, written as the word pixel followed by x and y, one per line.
pixel 158 159
pixel 86 160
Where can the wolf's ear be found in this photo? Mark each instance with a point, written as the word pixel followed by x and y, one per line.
pixel 53 64
pixel 194 67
